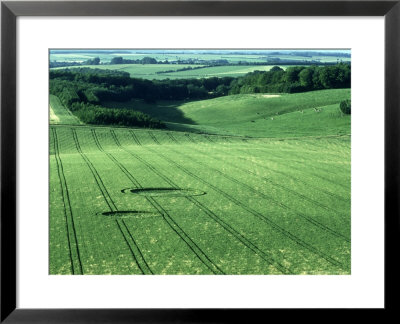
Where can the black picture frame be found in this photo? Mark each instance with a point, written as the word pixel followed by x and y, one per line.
pixel 10 10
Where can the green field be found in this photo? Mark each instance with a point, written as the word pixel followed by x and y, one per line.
pixel 231 57
pixel 144 71
pixel 59 114
pixel 245 184
pixel 217 71
pixel 149 71
pixel 256 115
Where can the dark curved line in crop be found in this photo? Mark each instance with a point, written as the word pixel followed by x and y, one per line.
pixel 306 171
pixel 232 231
pixel 186 238
pixel 60 171
pixel 154 138
pixel 279 186
pixel 161 210
pixel 293 177
pixel 275 226
pixel 135 138
pixel 104 193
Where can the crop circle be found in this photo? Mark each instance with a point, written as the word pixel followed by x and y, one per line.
pixel 129 214
pixel 164 192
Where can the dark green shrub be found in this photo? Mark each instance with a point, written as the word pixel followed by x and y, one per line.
pixel 345 106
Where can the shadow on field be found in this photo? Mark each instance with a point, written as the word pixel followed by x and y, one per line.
pixel 164 110
pixel 165 192
pixel 130 213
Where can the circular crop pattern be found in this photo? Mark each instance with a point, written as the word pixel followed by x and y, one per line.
pixel 130 214
pixel 164 192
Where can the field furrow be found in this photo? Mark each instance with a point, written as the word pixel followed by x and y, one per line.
pixel 206 210
pixel 271 223
pixel 237 202
pixel 135 251
pixel 75 259
pixel 246 220
pixel 274 201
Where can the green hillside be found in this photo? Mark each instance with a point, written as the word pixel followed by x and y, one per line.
pixel 59 114
pixel 256 115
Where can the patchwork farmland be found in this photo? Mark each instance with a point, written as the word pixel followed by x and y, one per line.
pixel 173 71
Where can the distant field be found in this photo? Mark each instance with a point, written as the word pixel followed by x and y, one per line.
pixel 218 71
pixel 144 71
pixel 231 58
pixel 149 71
pixel 129 201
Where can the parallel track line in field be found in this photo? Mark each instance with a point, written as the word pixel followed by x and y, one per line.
pixel 166 216
pixel 309 152
pixel 305 150
pixel 154 138
pixel 190 138
pixel 74 253
pixel 135 251
pixel 317 145
pixel 331 194
pixel 297 168
pixel 208 139
pixel 275 202
pixel 135 138
pixel 265 179
pixel 212 215
pixel 271 223
pixel 172 137
pixel 202 256
pixel 306 171
pixel 317 175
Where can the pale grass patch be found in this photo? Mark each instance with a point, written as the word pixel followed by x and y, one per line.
pixel 270 96
pixel 53 117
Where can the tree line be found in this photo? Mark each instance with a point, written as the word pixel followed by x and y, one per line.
pixel 83 90
pixel 294 79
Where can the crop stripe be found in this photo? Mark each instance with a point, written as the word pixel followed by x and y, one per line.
pixel 172 137
pixel 280 204
pixel 272 224
pixel 302 169
pixel 289 176
pixel 136 253
pixel 166 216
pixel 190 138
pixel 153 138
pixel 74 253
pixel 263 255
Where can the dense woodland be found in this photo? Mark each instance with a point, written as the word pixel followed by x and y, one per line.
pixel 82 90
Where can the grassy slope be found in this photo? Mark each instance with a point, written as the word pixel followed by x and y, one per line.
pixel 61 115
pixel 259 116
pixel 254 115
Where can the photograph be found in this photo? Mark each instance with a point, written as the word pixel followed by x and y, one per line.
pixel 199 161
